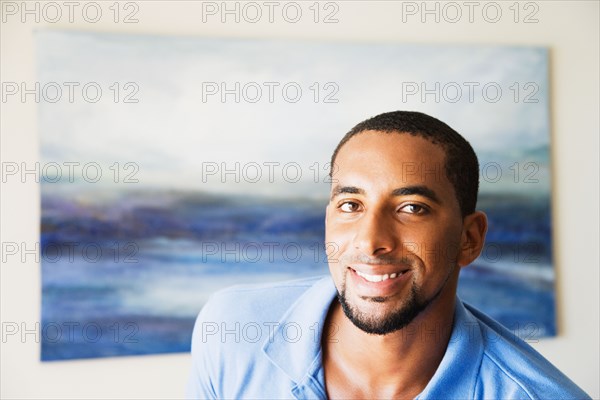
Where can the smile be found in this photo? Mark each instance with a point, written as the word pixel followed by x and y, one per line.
pixel 378 278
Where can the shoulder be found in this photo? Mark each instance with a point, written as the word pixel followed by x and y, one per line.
pixel 512 368
pixel 227 343
pixel 255 302
pixel 240 318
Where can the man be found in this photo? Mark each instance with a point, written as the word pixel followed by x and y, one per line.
pixel 387 324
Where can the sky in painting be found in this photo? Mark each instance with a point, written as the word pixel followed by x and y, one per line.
pixel 177 125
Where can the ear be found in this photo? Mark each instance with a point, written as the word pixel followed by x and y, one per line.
pixel 472 238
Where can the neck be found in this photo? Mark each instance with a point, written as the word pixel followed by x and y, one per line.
pixel 398 364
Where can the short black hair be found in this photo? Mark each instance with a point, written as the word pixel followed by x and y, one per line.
pixel 461 164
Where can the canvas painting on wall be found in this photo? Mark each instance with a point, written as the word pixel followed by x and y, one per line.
pixel 176 166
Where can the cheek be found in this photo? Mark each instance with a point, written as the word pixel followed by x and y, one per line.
pixel 337 242
pixel 440 248
pixel 336 235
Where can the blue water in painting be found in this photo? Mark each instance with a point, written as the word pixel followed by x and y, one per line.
pixel 128 275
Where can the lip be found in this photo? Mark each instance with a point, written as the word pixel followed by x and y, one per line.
pixel 378 269
pixel 384 288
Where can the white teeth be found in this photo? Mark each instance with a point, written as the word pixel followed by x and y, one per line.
pixel 378 278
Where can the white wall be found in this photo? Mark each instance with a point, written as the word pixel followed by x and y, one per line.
pixel 569 28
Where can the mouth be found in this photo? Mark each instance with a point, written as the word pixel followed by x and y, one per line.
pixel 385 283
pixel 378 278
pixel 385 278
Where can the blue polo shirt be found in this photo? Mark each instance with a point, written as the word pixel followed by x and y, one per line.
pixel 263 342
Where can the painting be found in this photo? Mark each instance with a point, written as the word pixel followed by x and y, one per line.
pixel 172 167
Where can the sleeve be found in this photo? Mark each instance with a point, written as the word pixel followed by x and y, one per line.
pixel 200 382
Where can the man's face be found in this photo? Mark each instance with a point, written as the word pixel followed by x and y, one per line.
pixel 395 224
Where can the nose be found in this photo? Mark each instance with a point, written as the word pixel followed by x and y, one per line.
pixel 374 235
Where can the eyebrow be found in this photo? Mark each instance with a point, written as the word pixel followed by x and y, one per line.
pixel 337 190
pixel 420 190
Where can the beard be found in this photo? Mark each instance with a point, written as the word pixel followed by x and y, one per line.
pixel 394 321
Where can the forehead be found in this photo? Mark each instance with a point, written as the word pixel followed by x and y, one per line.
pixel 382 164
pixel 387 166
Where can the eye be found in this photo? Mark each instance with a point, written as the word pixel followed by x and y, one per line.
pixel 349 207
pixel 416 209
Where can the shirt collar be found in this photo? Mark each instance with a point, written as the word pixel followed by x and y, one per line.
pixel 456 376
pixel 295 347
pixel 295 343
